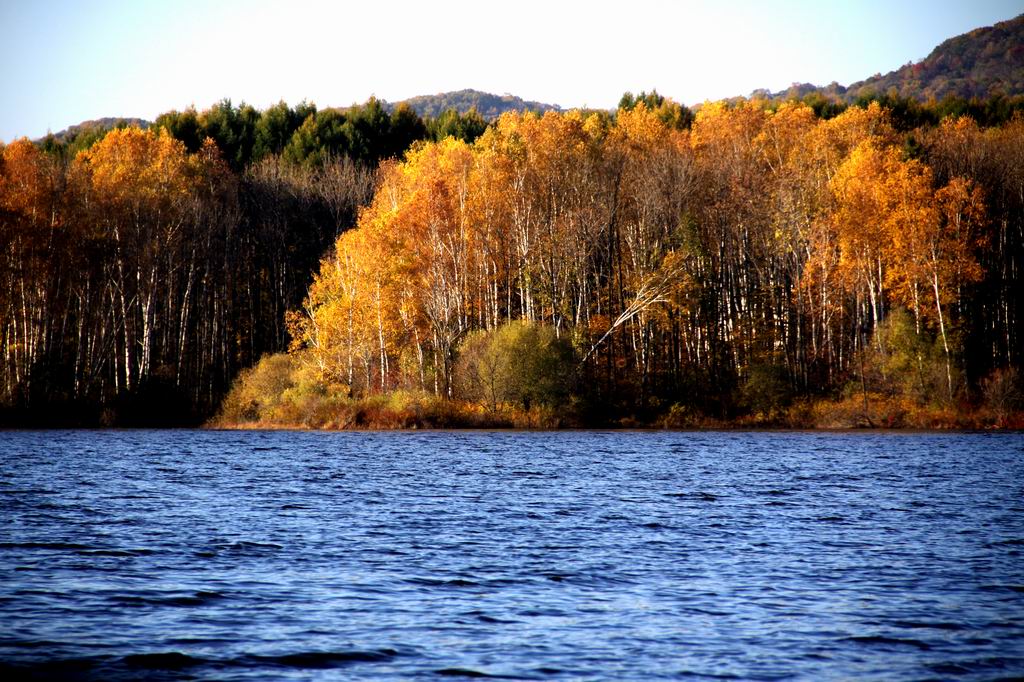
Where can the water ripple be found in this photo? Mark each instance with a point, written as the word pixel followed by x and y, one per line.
pixel 130 555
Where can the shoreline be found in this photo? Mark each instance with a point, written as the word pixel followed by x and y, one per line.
pixel 590 429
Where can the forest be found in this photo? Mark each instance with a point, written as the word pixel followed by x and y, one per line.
pixel 751 262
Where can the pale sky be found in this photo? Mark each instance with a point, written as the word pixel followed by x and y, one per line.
pixel 65 62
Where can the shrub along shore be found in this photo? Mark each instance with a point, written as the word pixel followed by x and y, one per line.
pixel 521 376
pixel 403 410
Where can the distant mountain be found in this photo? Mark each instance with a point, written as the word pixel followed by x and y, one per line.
pixel 99 125
pixel 983 62
pixel 986 61
pixel 487 105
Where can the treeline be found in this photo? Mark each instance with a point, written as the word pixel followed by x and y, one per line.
pixel 760 255
pixel 365 133
pixel 906 113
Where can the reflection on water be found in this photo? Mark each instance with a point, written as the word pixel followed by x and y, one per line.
pixel 570 555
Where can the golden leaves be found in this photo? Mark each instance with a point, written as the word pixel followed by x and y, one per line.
pixel 24 183
pixel 131 165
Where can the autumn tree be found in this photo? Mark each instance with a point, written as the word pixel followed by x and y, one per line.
pixel 520 363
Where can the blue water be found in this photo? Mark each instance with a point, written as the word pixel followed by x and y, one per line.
pixel 571 555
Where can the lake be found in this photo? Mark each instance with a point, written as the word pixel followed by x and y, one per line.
pixel 522 555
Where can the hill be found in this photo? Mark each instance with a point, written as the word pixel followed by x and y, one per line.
pixel 984 62
pixel 487 105
pixel 978 64
pixel 99 125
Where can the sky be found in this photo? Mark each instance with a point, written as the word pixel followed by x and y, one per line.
pixel 66 62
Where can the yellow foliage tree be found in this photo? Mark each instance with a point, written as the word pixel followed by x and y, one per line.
pixel 140 184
